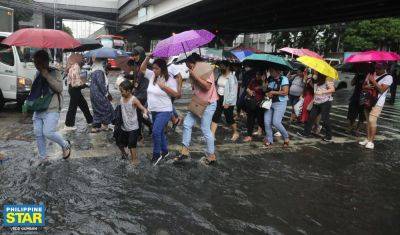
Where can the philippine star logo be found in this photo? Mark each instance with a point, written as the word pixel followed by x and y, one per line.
pixel 23 217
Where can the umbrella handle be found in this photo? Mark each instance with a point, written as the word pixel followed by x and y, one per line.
pixel 184 49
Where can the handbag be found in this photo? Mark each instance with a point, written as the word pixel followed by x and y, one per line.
pixel 310 105
pixel 250 103
pixel 369 96
pixel 298 107
pixel 40 104
pixel 266 103
pixel 197 106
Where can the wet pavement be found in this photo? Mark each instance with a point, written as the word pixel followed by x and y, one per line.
pixel 310 188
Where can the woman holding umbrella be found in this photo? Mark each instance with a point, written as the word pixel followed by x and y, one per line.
pixel 323 91
pixel 278 89
pixel 100 97
pixel 159 92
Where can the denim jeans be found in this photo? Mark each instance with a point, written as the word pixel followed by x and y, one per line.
pixel 274 116
pixel 205 125
pixel 45 126
pixel 160 121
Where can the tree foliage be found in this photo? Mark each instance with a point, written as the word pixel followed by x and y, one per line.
pixel 67 29
pixel 322 38
pixel 377 34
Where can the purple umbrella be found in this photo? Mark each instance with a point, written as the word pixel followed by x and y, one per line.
pixel 182 42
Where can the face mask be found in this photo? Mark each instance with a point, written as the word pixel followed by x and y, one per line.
pixel 315 77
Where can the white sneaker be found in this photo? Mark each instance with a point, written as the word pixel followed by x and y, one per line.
pixel 370 145
pixel 69 128
pixel 363 143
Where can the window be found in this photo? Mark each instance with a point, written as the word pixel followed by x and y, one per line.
pixel 7 55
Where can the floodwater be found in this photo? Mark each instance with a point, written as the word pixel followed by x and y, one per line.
pixel 315 188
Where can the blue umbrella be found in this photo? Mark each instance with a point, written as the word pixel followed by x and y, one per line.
pixel 241 54
pixel 105 52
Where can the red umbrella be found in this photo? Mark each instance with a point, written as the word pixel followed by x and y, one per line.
pixel 41 38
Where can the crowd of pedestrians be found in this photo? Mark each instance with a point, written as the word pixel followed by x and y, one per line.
pixel 258 96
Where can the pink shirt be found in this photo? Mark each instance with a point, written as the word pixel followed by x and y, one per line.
pixel 211 95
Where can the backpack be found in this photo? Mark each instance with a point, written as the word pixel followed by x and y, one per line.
pixel 369 96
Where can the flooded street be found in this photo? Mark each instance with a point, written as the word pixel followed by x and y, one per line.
pixel 309 188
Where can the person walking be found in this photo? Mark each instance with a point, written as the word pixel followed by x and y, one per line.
pixel 159 92
pixel 355 110
pixel 322 103
pixel 100 97
pixel 296 91
pixel 227 89
pixel 377 85
pixel 277 90
pixel 205 91
pixel 75 84
pixel 308 96
pixel 47 83
pixel 128 131
pixel 140 85
pixel 254 97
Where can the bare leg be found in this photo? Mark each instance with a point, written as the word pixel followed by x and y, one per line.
pixel 135 160
pixel 123 152
pixel 214 127
pixel 235 132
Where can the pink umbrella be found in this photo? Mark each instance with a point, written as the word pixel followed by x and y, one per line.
pixel 182 43
pixel 41 38
pixel 300 52
pixel 371 56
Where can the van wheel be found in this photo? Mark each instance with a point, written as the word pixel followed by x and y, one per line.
pixel 2 102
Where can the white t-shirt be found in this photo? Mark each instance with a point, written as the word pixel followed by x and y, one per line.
pixel 222 80
pixel 173 70
pixel 157 99
pixel 387 80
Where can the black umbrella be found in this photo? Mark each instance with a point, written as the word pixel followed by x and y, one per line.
pixel 86 45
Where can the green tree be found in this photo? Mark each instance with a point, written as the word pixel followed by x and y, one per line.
pixel 377 34
pixel 67 30
pixel 321 38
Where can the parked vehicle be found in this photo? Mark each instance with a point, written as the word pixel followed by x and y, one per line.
pixel 17 72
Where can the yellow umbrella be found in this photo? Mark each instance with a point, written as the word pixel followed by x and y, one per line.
pixel 319 65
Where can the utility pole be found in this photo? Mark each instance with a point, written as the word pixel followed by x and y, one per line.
pixel 54 27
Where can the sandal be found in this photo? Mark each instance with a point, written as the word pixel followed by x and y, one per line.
pixel 286 144
pixel 267 144
pixel 247 139
pixel 95 130
pixel 235 137
pixel 209 162
pixel 69 149
pixel 181 158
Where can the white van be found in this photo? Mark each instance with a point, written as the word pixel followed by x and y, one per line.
pixel 17 72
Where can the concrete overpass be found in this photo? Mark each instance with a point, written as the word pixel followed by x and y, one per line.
pixel 105 9
pixel 159 18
